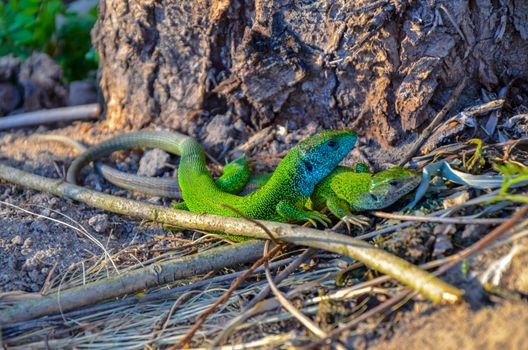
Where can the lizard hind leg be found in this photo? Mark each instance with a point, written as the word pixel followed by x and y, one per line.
pixel 235 176
pixel 340 209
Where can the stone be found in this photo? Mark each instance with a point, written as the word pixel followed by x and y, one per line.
pixel 9 98
pixel 100 223
pixel 42 81
pixel 153 163
pixel 81 93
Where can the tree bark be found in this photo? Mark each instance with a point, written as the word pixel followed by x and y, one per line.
pixel 384 68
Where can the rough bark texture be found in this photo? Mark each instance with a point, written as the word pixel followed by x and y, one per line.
pixel 384 68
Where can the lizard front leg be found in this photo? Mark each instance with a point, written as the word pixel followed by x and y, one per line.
pixel 291 212
pixel 341 209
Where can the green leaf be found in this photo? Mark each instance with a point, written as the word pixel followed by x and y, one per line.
pixel 40 36
pixel 15 26
pixel 30 3
pixel 24 20
pixel 94 12
pixel 30 11
pixel 8 14
pixel 14 5
pixel 22 36
pixel 54 7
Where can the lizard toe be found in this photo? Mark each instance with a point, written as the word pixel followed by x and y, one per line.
pixel 354 220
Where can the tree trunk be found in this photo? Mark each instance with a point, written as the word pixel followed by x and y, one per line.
pixel 384 68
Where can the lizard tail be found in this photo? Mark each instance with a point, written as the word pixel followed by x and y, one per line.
pixel 166 187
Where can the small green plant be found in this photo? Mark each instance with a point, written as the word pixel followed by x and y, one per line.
pixel 74 47
pixel 31 25
pixel 476 163
pixel 514 173
pixel 27 25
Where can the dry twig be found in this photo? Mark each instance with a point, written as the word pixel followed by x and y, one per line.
pixel 201 319
pixel 485 241
pixel 442 220
pixel 130 282
pixel 289 306
pixel 90 111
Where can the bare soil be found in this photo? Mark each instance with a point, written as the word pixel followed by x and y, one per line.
pixel 499 326
pixel 31 246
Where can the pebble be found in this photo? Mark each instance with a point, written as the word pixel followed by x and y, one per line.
pixel 27 243
pixel 17 240
pixel 100 223
pixel 39 226
pixel 153 163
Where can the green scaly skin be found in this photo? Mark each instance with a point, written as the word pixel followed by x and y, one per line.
pixel 282 198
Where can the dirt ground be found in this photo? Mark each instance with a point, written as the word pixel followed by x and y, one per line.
pixel 33 249
pixel 484 321
pixel 500 326
pixel 30 246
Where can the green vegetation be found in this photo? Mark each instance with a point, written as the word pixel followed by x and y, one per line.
pixel 513 173
pixel 31 25
pixel 476 163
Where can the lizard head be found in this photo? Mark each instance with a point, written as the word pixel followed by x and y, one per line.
pixel 318 155
pixel 388 186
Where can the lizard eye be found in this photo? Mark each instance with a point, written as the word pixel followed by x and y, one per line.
pixel 332 143
pixel 308 166
pixel 374 197
pixel 393 183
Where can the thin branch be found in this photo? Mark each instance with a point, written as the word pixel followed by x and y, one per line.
pixel 484 241
pixel 454 23
pixel 130 282
pixel 134 299
pixel 46 285
pixel 442 220
pixel 47 116
pixel 285 303
pixel 201 319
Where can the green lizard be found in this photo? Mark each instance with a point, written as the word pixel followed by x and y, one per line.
pixel 347 190
pixel 343 191
pixel 282 198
